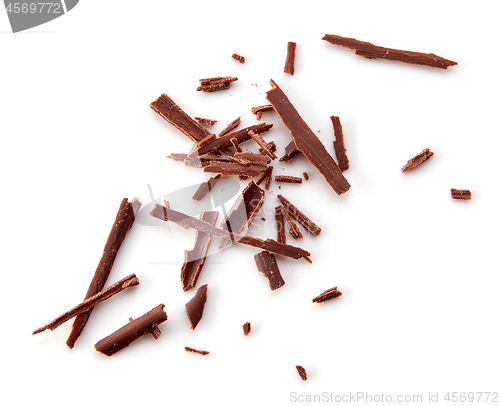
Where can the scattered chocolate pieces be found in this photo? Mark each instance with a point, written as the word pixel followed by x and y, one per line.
pixel 258 139
pixel 194 259
pixel 338 144
pixel 194 308
pixel 306 141
pixel 266 263
pixel 231 126
pixel 247 328
pixel 189 349
pixel 239 58
pixel 293 230
pixel 417 160
pixel 123 222
pixel 248 158
pixel 261 109
pixel 267 176
pixel 205 121
pixel 215 83
pixel 306 176
pixel 287 179
pixel 234 168
pixel 206 187
pixel 327 295
pixel 305 221
pixel 290 58
pixel 280 224
pixel 371 51
pixel 302 372
pixel 132 331
pixel 461 194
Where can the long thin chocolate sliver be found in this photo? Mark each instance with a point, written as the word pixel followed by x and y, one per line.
pixel 306 141
pixel 293 230
pixel 290 58
pixel 89 303
pixel 305 221
pixel 231 126
pixel 130 332
pixel 194 308
pixel 206 187
pixel 417 159
pixel 280 224
pixel 266 263
pixel 234 168
pixel 338 144
pixel 123 222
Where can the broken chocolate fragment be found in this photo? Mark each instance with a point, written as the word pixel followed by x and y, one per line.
pixel 305 221
pixel 271 146
pixel 327 295
pixel 294 230
pixel 306 141
pixel 248 158
pixel 302 372
pixel 287 179
pixel 461 194
pixel 371 51
pixel 258 110
pixel 338 144
pixel 280 224
pixel 205 121
pixel 215 83
pixel 258 139
pixel 417 159
pixel 231 126
pixel 194 259
pixel 290 58
pixel 306 176
pixel 234 168
pixel 189 349
pixel 197 162
pixel 266 263
pixel 206 187
pixel 247 328
pixel 239 58
pixel 267 176
pixel 236 146
pixel 194 308
pixel 291 152
pixel 132 331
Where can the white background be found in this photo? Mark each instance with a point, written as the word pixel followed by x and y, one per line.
pixel 418 271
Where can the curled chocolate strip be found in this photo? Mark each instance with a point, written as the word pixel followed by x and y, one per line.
pixel 247 328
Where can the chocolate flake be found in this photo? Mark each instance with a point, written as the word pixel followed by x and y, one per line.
pixel 258 139
pixel 197 162
pixel 132 331
pixel 302 372
pixel 266 263
pixel 215 83
pixel 461 194
pixel 189 349
pixel 417 160
pixel 206 187
pixel 306 141
pixel 207 140
pixel 299 216
pixel 194 259
pixel 306 176
pixel 327 295
pixel 287 179
pixel 123 222
pixel 205 121
pixel 271 146
pixel 234 168
pixel 371 51
pixel 247 158
pixel 338 144
pixel 231 126
pixel 258 110
pixel 291 152
pixel 239 58
pixel 294 230
pixel 290 58
pixel 247 328
pixel 236 146
pixel 267 176
pixel 194 308
pixel 280 224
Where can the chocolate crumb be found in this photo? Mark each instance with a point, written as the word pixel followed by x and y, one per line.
pixel 189 349
pixel 461 194
pixel 302 372
pixel 239 58
pixel 306 176
pixel 246 328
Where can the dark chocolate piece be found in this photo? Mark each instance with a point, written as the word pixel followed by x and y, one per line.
pixel 194 308
pixel 206 187
pixel 371 51
pixel 172 113
pixel 338 144
pixel 239 58
pixel 247 328
pixel 234 168
pixel 89 303
pixel 248 158
pixel 417 159
pixel 267 176
pixel 299 216
pixel 258 110
pixel 189 349
pixel 306 176
pixel 244 210
pixel 294 230
pixel 207 140
pixel 302 372
pixel 271 146
pixel 327 295
pixel 194 259
pixel 236 146
pixel 197 162
pixel 258 139
pixel 183 220
pixel 123 222
pixel 266 263
pixel 231 126
pixel 155 333
pixel 306 141
pixel 287 179
pixel 205 121
pixel 291 152
pixel 280 224
pixel 461 194
pixel 132 331
pixel 290 58
pixel 215 83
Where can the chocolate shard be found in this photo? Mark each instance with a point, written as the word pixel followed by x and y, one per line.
pixel 267 176
pixel 247 328
pixel 287 179
pixel 201 352
pixel 231 126
pixel 291 152
pixel 293 230
pixel 234 168
pixel 206 187
pixel 215 83
pixel 461 194
pixel 258 139
pixel 89 303
pixel 194 308
pixel 306 141
pixel 302 372
pixel 239 58
pixel 417 159
pixel 371 51
pixel 258 110
pixel 132 331
pixel 183 220
pixel 205 121
pixel 266 263
pixel 271 146
pixel 305 221
pixel 123 222
pixel 248 158
pixel 194 259
pixel 338 144
pixel 290 58
pixel 173 114
pixel 244 210
pixel 327 295
pixel 280 224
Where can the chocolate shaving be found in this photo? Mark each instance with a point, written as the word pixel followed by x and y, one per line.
pixel 239 58
pixel 124 283
pixel 132 331
pixel 280 224
pixel 247 158
pixel 294 230
pixel 266 263
pixel 338 144
pixel 198 162
pixel 234 168
pixel 306 176
pixel 207 140
pixel 189 349
pixel 461 194
pixel 215 83
pixel 371 51
pixel 306 141
pixel 258 110
pixel 172 113
pixel 417 159
pixel 287 179
pixel 291 152
pixel 327 295
pixel 247 328
pixel 206 187
pixel 205 121
pixel 258 139
pixel 183 220
pixel 194 308
pixel 236 146
pixel 123 222
pixel 302 372
pixel 267 176
pixel 290 58
pixel 231 126
pixel 299 216
pixel 271 146
pixel 244 210
pixel 194 259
